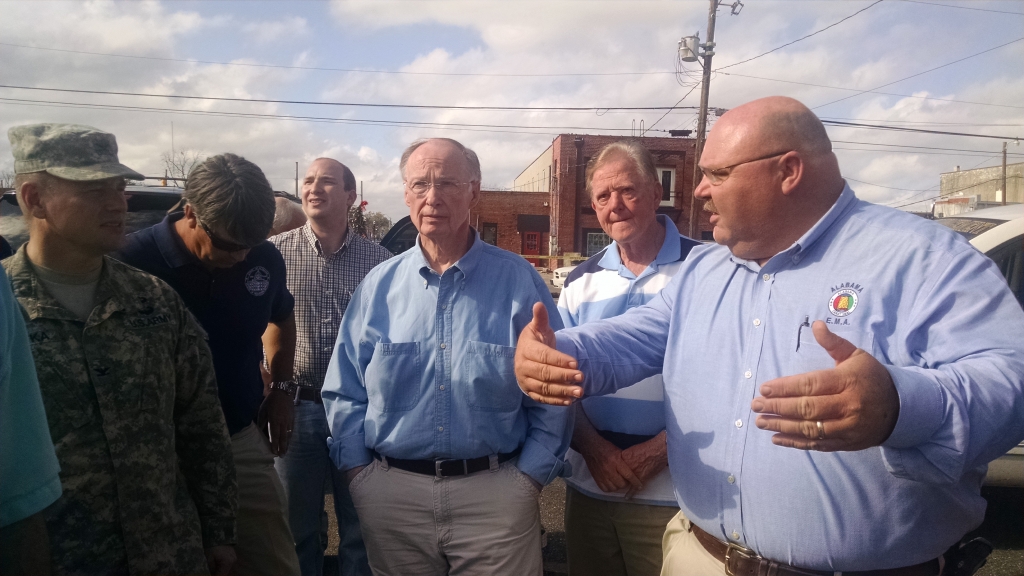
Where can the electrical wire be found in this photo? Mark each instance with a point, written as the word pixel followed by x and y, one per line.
pixel 963 7
pixel 328 69
pixel 921 73
pixel 871 91
pixel 816 32
pixel 353 104
pixel 915 130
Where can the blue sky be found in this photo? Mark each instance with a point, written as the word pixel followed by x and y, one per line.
pixel 474 40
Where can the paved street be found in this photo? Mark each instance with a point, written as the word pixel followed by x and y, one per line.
pixel 1004 527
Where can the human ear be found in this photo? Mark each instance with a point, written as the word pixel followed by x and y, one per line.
pixel 791 171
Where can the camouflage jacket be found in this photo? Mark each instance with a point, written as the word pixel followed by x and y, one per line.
pixel 131 401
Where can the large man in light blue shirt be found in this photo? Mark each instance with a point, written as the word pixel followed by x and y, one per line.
pixel 444 455
pixel 823 323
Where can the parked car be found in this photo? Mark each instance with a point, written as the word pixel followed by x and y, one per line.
pixel 999 234
pixel 147 205
pixel 560 274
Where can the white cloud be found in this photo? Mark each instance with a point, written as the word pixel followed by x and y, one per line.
pixel 269 31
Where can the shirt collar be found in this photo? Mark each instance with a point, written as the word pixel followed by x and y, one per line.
pixel 668 253
pixel 314 242
pixel 465 264
pixel 171 246
pixel 795 252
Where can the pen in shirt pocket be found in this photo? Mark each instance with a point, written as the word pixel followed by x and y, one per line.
pixel 799 329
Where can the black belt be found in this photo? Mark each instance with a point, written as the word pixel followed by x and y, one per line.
pixel 445 468
pixel 308 393
pixel 622 440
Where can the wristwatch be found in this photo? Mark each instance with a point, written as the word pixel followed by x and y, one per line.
pixel 287 386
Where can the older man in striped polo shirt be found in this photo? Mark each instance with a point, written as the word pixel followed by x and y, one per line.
pixel 620 496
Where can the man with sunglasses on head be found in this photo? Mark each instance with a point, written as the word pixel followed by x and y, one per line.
pixel 837 374
pixel 215 254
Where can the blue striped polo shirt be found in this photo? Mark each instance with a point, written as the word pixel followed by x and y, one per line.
pixel 602 287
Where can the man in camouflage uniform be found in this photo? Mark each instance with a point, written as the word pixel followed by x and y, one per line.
pixel 125 372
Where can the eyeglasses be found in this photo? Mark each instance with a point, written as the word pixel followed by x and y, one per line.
pixel 443 187
pixel 718 175
pixel 219 243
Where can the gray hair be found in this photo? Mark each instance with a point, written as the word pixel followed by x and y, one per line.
pixel 636 152
pixel 471 157
pixel 232 193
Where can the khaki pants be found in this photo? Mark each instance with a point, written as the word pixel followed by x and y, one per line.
pixel 265 546
pixel 613 538
pixel 684 554
pixel 486 524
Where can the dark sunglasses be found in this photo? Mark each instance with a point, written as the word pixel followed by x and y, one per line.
pixel 220 243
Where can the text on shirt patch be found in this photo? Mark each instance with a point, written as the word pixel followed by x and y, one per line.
pixel 156 320
pixel 843 301
pixel 257 281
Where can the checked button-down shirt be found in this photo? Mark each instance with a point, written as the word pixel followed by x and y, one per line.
pixel 322 286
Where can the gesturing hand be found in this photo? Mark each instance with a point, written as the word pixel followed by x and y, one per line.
pixel 545 374
pixel 856 402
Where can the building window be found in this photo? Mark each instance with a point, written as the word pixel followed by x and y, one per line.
pixel 668 186
pixel 596 241
pixel 489 233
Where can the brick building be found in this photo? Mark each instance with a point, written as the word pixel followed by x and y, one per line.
pixel 548 211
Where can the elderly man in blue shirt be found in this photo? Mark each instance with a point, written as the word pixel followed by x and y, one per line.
pixel 444 455
pixel 882 345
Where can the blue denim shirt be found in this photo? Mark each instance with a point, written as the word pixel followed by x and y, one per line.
pixel 932 309
pixel 422 368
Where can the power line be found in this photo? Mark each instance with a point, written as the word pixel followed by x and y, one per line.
pixel 918 147
pixel 673 107
pixel 921 73
pixel 915 130
pixel 871 91
pixel 352 104
pixel 963 7
pixel 816 32
pixel 328 69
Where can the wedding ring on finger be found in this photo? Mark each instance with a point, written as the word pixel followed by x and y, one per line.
pixel 821 430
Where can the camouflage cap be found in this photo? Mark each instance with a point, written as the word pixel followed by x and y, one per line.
pixel 68 151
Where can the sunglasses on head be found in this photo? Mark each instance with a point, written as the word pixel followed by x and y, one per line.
pixel 220 243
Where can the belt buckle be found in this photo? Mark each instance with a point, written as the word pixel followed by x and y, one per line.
pixel 732 548
pixel 439 464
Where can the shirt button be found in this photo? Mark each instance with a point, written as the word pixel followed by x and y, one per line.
pixel 739 423
pixel 757 321
pixel 747 374
pixel 327 349
pixel 440 428
pixel 444 306
pixel 735 535
pixel 443 345
pixel 731 479
pixel 766 277
pixel 441 387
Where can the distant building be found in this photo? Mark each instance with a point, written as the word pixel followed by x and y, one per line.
pixel 548 211
pixel 979 187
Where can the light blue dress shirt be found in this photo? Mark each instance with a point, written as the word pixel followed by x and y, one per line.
pixel 935 311
pixel 422 368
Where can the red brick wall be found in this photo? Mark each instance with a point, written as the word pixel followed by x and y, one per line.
pixel 503 209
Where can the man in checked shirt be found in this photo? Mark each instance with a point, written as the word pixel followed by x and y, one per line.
pixel 325 262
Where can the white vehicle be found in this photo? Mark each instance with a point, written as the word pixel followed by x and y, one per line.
pixel 560 274
pixel 999 234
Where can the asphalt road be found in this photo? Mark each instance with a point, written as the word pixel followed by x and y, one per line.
pixel 1003 527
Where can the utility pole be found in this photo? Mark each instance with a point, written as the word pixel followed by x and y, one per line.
pixel 296 179
pixel 1004 174
pixel 705 90
pixel 361 191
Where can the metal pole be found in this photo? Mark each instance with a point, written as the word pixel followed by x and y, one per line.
pixel 296 179
pixel 1004 174
pixel 702 120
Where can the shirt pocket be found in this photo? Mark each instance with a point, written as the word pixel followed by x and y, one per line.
pixel 810 356
pixel 393 377
pixel 490 378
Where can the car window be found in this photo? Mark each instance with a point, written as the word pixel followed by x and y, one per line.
pixel 1009 257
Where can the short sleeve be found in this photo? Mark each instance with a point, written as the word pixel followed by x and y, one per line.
pixel 29 472
pixel 284 303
